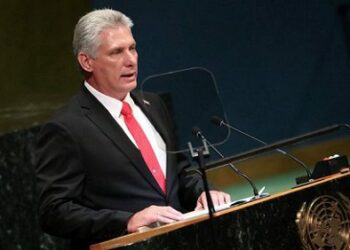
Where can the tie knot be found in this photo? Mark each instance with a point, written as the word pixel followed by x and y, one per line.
pixel 126 109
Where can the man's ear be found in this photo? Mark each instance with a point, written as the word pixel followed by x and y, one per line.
pixel 85 61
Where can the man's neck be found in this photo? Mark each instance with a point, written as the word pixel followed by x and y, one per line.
pixel 118 96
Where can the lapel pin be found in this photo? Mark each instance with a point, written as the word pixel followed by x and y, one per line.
pixel 146 102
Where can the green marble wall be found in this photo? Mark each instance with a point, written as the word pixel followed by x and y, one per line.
pixel 19 225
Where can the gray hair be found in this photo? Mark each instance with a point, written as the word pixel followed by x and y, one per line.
pixel 86 32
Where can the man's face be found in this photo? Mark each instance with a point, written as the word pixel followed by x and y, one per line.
pixel 114 69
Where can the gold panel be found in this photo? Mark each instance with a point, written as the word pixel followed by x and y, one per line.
pixel 324 223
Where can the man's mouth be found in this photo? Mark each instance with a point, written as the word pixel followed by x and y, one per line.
pixel 130 76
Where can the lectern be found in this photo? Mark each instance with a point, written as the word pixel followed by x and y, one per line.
pixel 313 216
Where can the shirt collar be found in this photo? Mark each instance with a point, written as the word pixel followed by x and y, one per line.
pixel 114 106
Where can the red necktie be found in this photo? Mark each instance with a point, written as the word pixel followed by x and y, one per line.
pixel 144 145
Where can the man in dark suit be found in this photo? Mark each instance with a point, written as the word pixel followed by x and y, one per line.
pixel 94 178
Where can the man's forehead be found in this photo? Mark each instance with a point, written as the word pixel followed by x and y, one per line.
pixel 116 29
pixel 117 34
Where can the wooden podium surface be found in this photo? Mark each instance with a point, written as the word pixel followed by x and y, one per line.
pixel 315 215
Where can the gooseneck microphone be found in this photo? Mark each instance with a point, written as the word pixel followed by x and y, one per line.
pixel 198 133
pixel 220 122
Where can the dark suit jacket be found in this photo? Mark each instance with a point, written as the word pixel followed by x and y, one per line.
pixel 90 176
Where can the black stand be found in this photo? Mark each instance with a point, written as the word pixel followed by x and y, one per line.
pixel 198 154
pixel 200 160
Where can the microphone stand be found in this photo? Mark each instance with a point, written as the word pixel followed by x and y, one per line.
pixel 218 121
pixel 257 194
pixel 198 155
pixel 236 170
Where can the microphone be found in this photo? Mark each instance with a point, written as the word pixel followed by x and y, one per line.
pixel 198 133
pixel 220 122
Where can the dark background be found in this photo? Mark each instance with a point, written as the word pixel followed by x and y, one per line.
pixel 282 67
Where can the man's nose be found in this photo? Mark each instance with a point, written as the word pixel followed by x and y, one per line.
pixel 130 58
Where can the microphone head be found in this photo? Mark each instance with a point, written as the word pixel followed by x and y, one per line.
pixel 196 131
pixel 216 120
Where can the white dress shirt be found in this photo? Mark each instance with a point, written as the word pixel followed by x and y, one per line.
pixel 114 107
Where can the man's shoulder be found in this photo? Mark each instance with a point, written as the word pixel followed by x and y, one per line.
pixel 69 115
pixel 67 119
pixel 70 109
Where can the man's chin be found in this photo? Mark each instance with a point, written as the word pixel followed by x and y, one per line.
pixel 133 85
pixel 129 86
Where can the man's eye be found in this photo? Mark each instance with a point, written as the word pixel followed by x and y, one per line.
pixel 116 52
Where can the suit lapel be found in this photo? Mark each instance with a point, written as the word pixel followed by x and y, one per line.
pixel 149 110
pixel 98 115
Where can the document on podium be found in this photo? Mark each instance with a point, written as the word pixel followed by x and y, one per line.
pixel 197 213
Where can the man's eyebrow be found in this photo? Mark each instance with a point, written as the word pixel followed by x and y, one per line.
pixel 117 48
